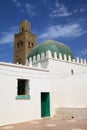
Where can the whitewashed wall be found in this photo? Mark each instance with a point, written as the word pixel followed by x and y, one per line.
pixel 48 75
pixel 69 90
pixel 14 110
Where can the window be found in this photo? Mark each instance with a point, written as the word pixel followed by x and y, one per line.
pixel 22 29
pixel 22 89
pixel 30 45
pixel 20 44
pixel 72 72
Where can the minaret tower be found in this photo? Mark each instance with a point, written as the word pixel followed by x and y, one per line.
pixel 24 41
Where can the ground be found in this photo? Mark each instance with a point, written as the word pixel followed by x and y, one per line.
pixel 48 123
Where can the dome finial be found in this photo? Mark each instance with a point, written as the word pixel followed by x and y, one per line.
pixel 25 26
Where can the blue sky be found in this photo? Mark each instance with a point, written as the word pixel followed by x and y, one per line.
pixel 61 20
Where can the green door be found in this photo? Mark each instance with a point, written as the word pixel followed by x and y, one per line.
pixel 45 104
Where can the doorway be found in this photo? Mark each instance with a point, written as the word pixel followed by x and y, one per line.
pixel 45 104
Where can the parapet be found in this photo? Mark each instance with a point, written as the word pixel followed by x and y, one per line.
pixel 60 57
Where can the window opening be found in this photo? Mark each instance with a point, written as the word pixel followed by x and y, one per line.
pixel 28 44
pixel 72 72
pixel 20 44
pixel 22 29
pixel 32 44
pixel 22 89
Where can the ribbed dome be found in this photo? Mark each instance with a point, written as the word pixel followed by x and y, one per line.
pixel 53 46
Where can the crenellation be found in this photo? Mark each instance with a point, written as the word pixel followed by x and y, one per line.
pixel 42 56
pixel 77 60
pixel 48 54
pixel 38 57
pixel 34 59
pixel 69 58
pixel 17 63
pixel 30 61
pixel 27 63
pixel 81 61
pixel 65 57
pixel 85 62
pixel 60 56
pixel 74 61
pixel 55 55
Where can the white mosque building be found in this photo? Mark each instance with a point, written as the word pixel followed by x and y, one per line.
pixel 47 82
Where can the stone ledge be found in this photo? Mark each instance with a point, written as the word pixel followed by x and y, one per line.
pixel 22 97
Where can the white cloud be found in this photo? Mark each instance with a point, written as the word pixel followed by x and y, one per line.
pixel 80 10
pixel 59 11
pixel 8 37
pixel 17 3
pixel 30 9
pixel 45 2
pixel 67 31
pixel 83 9
pixel 27 7
pixel 84 52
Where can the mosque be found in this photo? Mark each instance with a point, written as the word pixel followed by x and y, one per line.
pixel 45 80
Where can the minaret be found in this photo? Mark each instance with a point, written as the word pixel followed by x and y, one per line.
pixel 24 41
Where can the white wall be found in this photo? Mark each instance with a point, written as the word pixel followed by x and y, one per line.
pixel 69 90
pixel 14 110
pixel 66 90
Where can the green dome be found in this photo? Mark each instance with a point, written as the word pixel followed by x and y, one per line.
pixel 53 46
